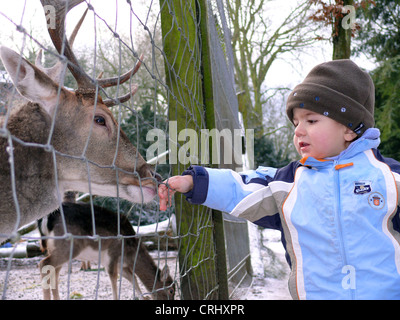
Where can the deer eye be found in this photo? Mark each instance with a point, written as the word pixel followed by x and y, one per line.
pixel 100 120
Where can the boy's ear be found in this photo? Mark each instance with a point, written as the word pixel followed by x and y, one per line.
pixel 349 135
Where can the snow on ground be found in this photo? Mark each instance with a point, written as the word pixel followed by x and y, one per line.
pixel 270 269
pixel 270 274
pixel 24 282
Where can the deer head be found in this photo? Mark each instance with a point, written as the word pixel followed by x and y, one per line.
pixel 92 152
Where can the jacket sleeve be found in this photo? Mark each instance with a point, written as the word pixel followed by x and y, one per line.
pixel 395 167
pixel 397 179
pixel 223 189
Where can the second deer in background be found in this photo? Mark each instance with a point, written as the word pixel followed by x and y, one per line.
pixel 113 249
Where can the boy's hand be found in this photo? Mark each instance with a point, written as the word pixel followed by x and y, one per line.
pixel 166 190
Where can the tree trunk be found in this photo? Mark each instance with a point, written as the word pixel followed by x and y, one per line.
pixel 190 91
pixel 341 36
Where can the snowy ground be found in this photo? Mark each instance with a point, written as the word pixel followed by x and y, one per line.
pixel 24 282
pixel 269 282
pixel 271 271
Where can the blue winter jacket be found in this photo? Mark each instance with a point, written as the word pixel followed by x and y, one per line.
pixel 339 218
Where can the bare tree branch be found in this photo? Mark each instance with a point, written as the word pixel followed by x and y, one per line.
pixel 257 44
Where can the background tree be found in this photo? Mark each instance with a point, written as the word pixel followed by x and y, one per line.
pixel 379 39
pixel 379 35
pixel 387 105
pixel 258 42
pixel 340 16
pixel 116 56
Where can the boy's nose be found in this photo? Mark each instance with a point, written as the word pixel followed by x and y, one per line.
pixel 299 130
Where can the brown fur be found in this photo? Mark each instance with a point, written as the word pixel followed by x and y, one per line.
pixel 32 165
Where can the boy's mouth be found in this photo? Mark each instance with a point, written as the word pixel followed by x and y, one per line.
pixel 303 145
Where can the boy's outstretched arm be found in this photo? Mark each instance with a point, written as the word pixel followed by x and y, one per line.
pixel 166 190
pixel 220 189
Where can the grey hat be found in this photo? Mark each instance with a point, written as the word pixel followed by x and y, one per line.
pixel 340 90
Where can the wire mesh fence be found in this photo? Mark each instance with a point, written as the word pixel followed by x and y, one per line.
pixel 93 127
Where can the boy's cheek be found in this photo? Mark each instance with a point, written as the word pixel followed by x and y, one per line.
pixel 296 145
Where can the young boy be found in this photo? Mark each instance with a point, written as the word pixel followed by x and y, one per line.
pixel 337 208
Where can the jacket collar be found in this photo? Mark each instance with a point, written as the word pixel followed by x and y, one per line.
pixel 369 140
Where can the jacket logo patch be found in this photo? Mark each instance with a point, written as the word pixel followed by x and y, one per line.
pixel 362 187
pixel 376 200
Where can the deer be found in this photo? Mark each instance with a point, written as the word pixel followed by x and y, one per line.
pixel 64 139
pixel 132 254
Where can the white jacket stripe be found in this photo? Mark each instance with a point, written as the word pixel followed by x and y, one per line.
pixel 295 282
pixel 391 194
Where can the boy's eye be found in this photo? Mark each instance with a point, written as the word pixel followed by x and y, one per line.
pixel 312 121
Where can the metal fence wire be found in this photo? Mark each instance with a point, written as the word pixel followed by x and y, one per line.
pixel 181 109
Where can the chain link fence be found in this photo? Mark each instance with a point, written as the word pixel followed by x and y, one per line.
pixel 182 104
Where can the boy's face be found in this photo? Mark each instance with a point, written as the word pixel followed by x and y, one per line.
pixel 318 136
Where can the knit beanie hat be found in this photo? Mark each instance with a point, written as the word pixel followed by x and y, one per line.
pixel 340 90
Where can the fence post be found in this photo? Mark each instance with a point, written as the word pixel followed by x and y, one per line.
pixel 182 50
pixel 217 218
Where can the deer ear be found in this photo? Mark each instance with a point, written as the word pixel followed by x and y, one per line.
pixel 30 81
pixel 164 274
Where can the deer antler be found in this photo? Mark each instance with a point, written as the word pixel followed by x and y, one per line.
pixel 85 83
pixel 109 82
pixel 122 99
pixel 113 81
pixel 55 71
pixel 57 35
